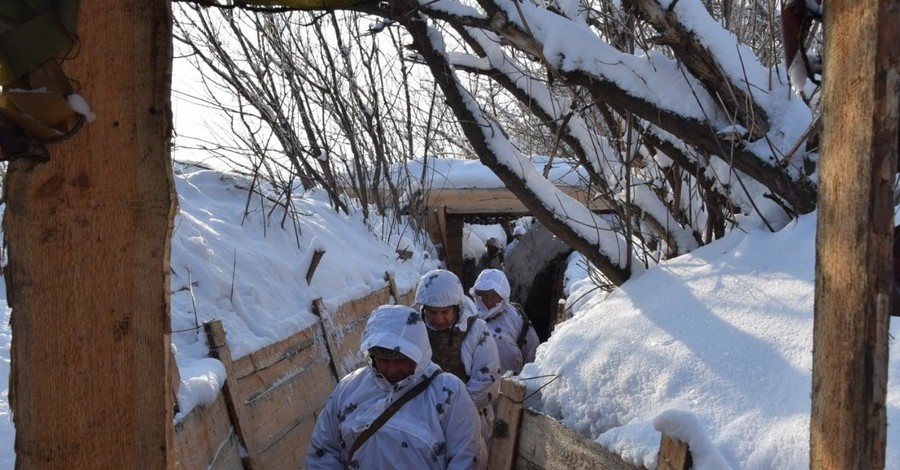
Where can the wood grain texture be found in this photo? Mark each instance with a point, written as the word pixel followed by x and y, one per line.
pixel 855 234
pixel 88 234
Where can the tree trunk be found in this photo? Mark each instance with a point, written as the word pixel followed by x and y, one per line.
pixel 848 425
pixel 88 235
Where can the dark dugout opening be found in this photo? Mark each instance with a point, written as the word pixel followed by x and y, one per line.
pixel 535 267
pixel 536 270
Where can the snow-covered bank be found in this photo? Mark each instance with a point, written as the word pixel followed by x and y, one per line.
pixel 716 345
pixel 250 272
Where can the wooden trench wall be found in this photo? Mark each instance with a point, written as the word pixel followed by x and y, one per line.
pixel 264 416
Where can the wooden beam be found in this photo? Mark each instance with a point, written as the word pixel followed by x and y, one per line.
pixel 88 236
pixel 548 444
pixel 392 285
pixel 327 328
pixel 218 348
pixel 313 264
pixel 454 251
pixel 496 201
pixel 848 427
pixel 673 455
pixel 505 436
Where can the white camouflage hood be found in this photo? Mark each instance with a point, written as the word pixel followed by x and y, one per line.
pixel 399 328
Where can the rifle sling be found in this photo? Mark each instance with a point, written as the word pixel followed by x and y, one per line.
pixel 390 411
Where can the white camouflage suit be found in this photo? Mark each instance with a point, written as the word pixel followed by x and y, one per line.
pixel 504 322
pixel 441 288
pixel 438 429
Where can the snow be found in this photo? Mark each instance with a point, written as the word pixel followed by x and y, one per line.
pixel 713 347
pixel 80 106
pixel 452 173
pixel 250 273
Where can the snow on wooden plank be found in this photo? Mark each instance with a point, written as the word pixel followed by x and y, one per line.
pixel 546 443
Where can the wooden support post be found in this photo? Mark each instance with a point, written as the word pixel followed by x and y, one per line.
pixel 327 328
pixel 392 285
pixel 440 215
pixel 673 455
pixel 88 234
pixel 505 436
pixel 313 264
pixel 454 249
pixel 218 348
pixel 560 313
pixel 857 166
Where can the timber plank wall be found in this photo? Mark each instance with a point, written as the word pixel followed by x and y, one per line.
pixel 265 414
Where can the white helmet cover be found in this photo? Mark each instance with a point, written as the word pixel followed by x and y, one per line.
pixel 439 288
pixel 492 279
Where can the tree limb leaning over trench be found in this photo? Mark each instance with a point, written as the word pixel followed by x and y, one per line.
pixel 474 124
pixel 799 194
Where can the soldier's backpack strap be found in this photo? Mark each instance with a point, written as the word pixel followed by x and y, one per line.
pixel 526 324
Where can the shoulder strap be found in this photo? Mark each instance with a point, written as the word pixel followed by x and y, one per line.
pixel 469 322
pixel 390 411
pixel 526 323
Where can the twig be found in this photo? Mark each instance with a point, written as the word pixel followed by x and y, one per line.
pixel 193 299
pixel 555 376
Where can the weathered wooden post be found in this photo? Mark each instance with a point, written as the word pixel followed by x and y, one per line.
pixel 88 234
pixel 855 229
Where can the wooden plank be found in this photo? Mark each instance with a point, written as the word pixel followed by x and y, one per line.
pixel 290 450
pixel 275 352
pixel 392 286
pixel 200 436
pixel 89 236
pixel 359 309
pixel 218 348
pixel 496 201
pixel 313 264
pixel 673 455
pixel 228 456
pixel 546 443
pixel 347 356
pixel 327 329
pixel 285 406
pixel 440 216
pixel 262 380
pixel 505 435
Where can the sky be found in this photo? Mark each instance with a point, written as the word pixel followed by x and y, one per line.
pixel 714 347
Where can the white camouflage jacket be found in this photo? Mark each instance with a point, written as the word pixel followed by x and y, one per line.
pixel 438 429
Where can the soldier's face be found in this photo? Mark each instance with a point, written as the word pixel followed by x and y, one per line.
pixel 394 369
pixel 490 299
pixel 439 318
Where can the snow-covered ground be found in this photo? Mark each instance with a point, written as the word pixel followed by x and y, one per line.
pixel 714 346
